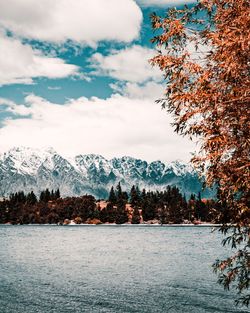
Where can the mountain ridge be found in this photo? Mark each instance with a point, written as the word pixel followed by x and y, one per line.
pixel 24 168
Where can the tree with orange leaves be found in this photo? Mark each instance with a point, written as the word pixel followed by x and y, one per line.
pixel 204 53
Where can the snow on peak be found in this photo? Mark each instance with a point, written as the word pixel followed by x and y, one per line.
pixel 84 162
pixel 179 168
pixel 26 160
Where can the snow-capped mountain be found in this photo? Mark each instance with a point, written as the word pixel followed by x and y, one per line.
pixel 29 169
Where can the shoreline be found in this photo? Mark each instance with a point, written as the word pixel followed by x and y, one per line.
pixel 121 225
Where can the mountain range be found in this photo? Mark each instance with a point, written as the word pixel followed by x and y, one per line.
pixel 23 168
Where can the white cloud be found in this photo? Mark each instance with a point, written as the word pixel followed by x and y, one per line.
pixel 20 110
pixel 129 64
pixel 163 3
pixel 87 21
pixel 19 63
pixel 112 127
pixel 149 90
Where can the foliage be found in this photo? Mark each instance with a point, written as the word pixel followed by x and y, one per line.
pixel 112 196
pixel 167 207
pixel 204 55
pixel 136 216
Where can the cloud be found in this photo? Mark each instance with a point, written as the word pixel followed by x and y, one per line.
pixel 163 3
pixel 19 63
pixel 20 110
pixel 149 90
pixel 115 126
pixel 57 21
pixel 129 64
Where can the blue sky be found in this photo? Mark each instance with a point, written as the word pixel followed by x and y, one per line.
pixel 75 76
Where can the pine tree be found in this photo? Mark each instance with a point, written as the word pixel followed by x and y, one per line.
pixel 121 214
pixel 57 194
pixel 119 192
pixel 111 213
pixel 31 198
pixel 136 216
pixel 41 198
pixel 134 198
pixel 47 195
pixel 112 196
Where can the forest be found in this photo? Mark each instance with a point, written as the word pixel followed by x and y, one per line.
pixel 134 207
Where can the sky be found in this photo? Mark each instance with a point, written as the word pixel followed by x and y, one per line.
pixel 75 76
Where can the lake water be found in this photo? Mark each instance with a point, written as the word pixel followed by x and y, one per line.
pixel 52 269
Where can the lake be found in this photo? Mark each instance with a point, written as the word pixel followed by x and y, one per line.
pixel 57 269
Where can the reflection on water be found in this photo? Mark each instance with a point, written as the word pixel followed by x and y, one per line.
pixel 47 269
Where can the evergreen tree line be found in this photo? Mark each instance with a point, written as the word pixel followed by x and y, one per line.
pixel 49 208
pixel 168 206
pixel 30 198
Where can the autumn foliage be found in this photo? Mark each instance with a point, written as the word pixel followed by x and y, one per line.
pixel 204 55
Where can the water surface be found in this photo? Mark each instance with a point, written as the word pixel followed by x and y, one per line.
pixel 52 269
